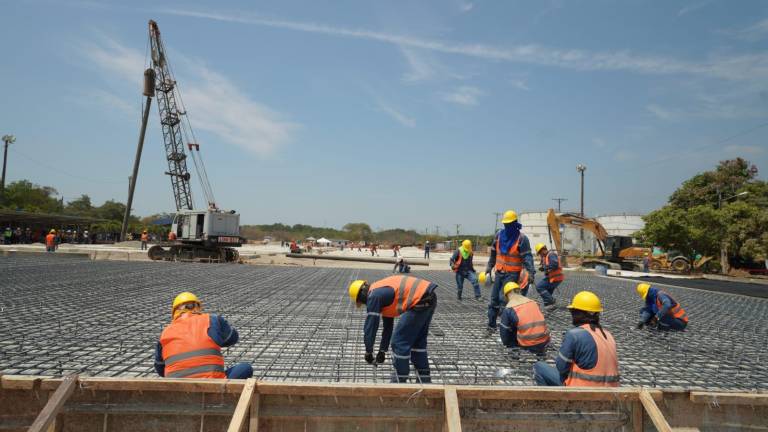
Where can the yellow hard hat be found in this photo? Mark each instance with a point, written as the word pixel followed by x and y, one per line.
pixel 182 299
pixel 586 301
pixel 354 289
pixel 53 231
pixel 481 277
pixel 642 289
pixel 509 216
pixel 467 245
pixel 539 246
pixel 511 286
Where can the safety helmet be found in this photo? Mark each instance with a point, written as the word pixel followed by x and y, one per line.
pixel 145 231
pixel 182 299
pixel 586 301
pixel 354 289
pixel 642 289
pixel 482 277
pixel 467 245
pixel 53 231
pixel 509 216
pixel 511 286
pixel 539 246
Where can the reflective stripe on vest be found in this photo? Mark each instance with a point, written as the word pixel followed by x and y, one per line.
pixel 531 327
pixel 555 275
pixel 676 311
pixel 408 292
pixel 509 261
pixel 606 371
pixel 188 351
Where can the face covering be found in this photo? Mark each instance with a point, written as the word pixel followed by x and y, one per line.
pixel 464 252
pixel 509 235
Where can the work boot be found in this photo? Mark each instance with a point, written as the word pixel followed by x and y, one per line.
pixel 489 331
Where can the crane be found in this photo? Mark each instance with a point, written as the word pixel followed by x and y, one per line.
pixel 208 233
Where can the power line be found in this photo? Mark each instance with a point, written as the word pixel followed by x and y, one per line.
pixel 52 167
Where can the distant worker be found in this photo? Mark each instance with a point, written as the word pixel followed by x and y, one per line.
pixel 190 346
pixel 587 357
pixel 660 310
pixel 646 262
pixel 172 236
pixel 427 246
pixel 522 323
pixel 144 240
pixel 553 275
pixel 510 255
pixel 401 266
pixel 461 264
pixel 50 241
pixel 7 235
pixel 414 301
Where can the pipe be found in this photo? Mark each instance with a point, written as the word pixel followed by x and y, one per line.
pixel 409 261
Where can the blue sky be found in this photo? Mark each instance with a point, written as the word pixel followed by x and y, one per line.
pixel 400 114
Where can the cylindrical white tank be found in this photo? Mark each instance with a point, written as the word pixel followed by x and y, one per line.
pixel 535 227
pixel 622 224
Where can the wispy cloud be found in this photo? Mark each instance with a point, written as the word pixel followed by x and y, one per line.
pixel 736 67
pixel 706 110
pixel 464 95
pixel 599 142
pixel 113 101
pixel 396 115
pixel 744 149
pixel 755 32
pixel 419 68
pixel 693 7
pixel 623 155
pixel 519 84
pixel 215 104
pixel 465 6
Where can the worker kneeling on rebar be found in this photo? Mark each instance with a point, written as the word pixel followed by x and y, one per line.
pixel 190 346
pixel 553 275
pixel 414 301
pixel 661 310
pixel 587 357
pixel 522 323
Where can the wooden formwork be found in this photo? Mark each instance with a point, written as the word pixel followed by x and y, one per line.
pixel 134 404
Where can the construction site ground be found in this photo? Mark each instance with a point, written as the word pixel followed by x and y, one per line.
pixel 66 313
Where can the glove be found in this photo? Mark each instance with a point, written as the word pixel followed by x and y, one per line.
pixel 380 357
pixel 369 358
pixel 541 268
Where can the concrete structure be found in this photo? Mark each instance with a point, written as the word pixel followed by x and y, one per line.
pixel 535 227
pixel 622 224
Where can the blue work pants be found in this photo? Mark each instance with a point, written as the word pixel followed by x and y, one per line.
pixel 240 371
pixel 497 300
pixel 546 375
pixel 409 342
pixel 546 289
pixel 472 277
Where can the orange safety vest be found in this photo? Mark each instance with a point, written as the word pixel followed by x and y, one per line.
pixel 509 261
pixel 188 351
pixel 531 327
pixel 555 275
pixel 606 371
pixel 408 292
pixel 144 237
pixel 457 263
pixel 676 311
pixel 50 240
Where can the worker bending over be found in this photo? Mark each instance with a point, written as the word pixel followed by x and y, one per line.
pixel 190 346
pixel 660 309
pixel 414 301
pixel 401 266
pixel 587 357
pixel 510 254
pixel 522 323
pixel 553 275
pixel 50 241
pixel 461 264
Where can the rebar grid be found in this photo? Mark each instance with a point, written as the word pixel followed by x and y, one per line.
pixel 62 314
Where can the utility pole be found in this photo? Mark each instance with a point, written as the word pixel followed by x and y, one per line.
pixel 559 200
pixel 8 139
pixel 496 222
pixel 149 92
pixel 581 168
pixel 457 229
pixel 437 230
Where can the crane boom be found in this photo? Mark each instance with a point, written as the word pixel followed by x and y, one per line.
pixel 170 119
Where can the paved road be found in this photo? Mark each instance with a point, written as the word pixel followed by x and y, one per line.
pixel 741 288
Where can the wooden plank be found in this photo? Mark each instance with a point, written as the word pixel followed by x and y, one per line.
pixel 350 412
pixel 243 407
pixel 554 393
pixel 714 398
pixel 550 418
pixel 452 414
pixel 654 412
pixel 347 389
pixel 154 384
pixel 637 416
pixel 19 382
pixel 255 405
pixel 54 405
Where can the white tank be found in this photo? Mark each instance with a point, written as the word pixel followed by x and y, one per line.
pixel 622 224
pixel 535 227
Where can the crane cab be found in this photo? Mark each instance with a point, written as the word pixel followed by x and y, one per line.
pixel 211 227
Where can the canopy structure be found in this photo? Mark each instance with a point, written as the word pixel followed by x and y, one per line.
pixel 310 239
pixel 21 218
pixel 323 241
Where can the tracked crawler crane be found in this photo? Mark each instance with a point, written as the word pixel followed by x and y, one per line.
pixel 200 234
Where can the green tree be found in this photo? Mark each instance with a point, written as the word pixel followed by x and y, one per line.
pixel 111 210
pixel 27 196
pixel 357 231
pixel 80 207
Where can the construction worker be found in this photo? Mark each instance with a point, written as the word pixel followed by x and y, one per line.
pixel 522 323
pixel 172 236
pixel 50 241
pixel 510 255
pixel 144 239
pixel 660 310
pixel 7 235
pixel 587 357
pixel 553 275
pixel 401 266
pixel 461 264
pixel 190 346
pixel 427 246
pixel 412 299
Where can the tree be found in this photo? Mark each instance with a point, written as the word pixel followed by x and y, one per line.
pixel 358 231
pixel 80 207
pixel 111 210
pixel 27 196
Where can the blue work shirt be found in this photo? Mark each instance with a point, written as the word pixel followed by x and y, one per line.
pixel 219 330
pixel 466 265
pixel 652 309
pixel 523 248
pixel 377 300
pixel 554 262
pixel 579 347
pixel 508 330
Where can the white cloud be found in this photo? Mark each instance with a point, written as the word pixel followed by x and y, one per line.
pixel 519 84
pixel 623 155
pixel 744 149
pixel 420 69
pixel 737 67
pixel 754 32
pixel 693 7
pixel 111 100
pixel 214 103
pixel 464 95
pixel 466 6
pixel 706 109
pixel 396 115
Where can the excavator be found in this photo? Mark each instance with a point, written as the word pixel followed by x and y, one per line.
pixel 198 234
pixel 618 252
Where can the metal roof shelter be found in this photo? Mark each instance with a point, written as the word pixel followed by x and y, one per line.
pixel 21 218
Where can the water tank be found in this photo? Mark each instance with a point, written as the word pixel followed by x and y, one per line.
pixel 622 224
pixel 535 227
